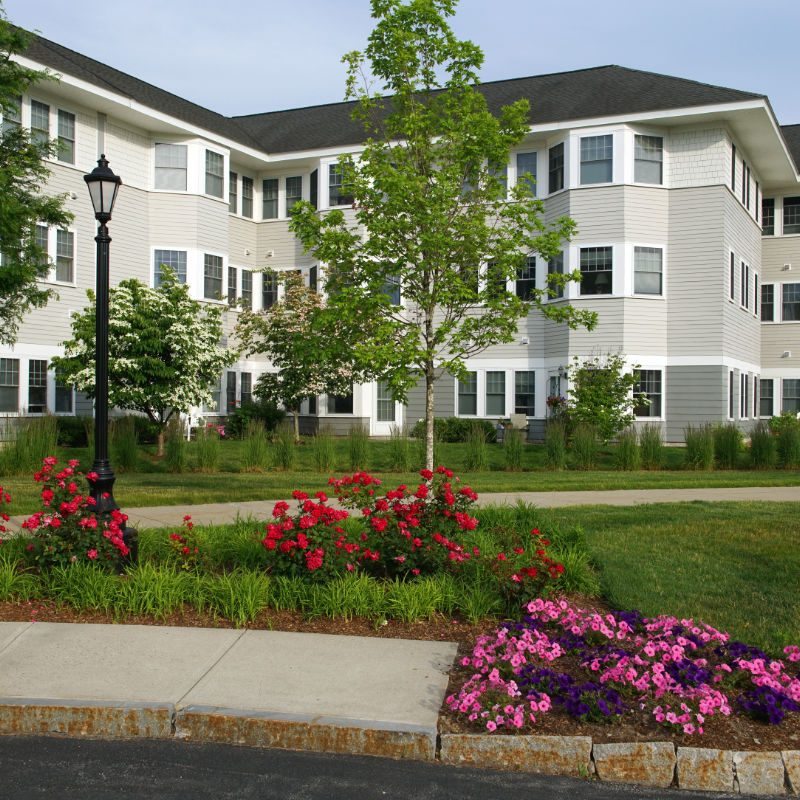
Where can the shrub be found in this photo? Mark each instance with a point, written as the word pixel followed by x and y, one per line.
pixel 789 447
pixel 71 431
pixel 626 456
pixel 477 455
pixel 728 442
pixel 323 451
pixel 263 411
pixel 763 448
pixel 512 449
pixel 699 446
pixel 206 448
pixel 400 451
pixel 651 446
pixel 786 421
pixel 555 444
pixel 453 429
pixel 358 447
pixel 584 446
pixel 124 443
pixel 255 453
pixel 175 446
pixel 285 448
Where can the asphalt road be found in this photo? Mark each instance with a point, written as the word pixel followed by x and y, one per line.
pixel 61 769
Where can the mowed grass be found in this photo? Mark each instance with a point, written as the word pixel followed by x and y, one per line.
pixel 736 566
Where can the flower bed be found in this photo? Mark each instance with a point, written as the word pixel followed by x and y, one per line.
pixel 588 666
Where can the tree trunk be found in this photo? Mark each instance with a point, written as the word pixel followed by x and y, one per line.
pixel 297 426
pixel 160 441
pixel 429 378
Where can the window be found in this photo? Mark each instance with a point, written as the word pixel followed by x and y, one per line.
pixel 230 392
pixel 340 404
pixel 215 175
pixel 744 294
pixel 247 288
pixel 247 197
pixel 41 237
pixel 556 168
pixel 313 278
pixel 767 302
pixel 791 215
pixel 66 137
pixel 64 404
pixel 790 307
pixel 495 394
pixel 747 195
pixel 171 167
pixel 790 400
pixel 597 156
pixel 733 277
pixel 744 396
pixel 212 277
pixel 555 266
pixel 40 122
pixel 247 388
pixel 313 198
pixel 232 285
pixel 392 289
pixel 385 403
pixel 755 293
pixel 526 171
pixel 648 159
pixel 9 385
pixel 596 270
pixel 233 189
pixel 524 393
pixel 468 395
pixel 12 116
pixel 647 270
pixel 730 395
pixel 294 192
pixel 757 204
pixel 269 209
pixel 269 290
pixel 647 388
pixel 526 279
pixel 768 216
pixel 500 173
pixel 174 260
pixel 496 283
pixel 37 386
pixel 336 195
pixel 65 256
pixel 767 390
pixel 312 405
pixel 733 172
pixel 213 403
pixel 745 174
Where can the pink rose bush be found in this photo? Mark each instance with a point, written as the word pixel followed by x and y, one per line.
pixel 403 532
pixel 681 672
pixel 68 529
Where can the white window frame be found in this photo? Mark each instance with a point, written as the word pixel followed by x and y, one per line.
pixel 614 269
pixel 653 246
pixel 52 254
pixel 663 372
pixel 170 249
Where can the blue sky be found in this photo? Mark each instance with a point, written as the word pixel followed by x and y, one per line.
pixel 246 56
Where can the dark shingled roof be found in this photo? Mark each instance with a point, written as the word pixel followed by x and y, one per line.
pixel 792 135
pixel 600 91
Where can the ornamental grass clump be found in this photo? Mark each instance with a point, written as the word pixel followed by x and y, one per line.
pixel 728 444
pixel 175 446
pixel 651 446
pixel 358 447
pixel 699 446
pixel 124 443
pixel 477 454
pixel 627 456
pixel 555 444
pixel 401 455
pixel 584 447
pixel 255 450
pixel 323 452
pixel 206 448
pixel 284 448
pixel 512 449
pixel 589 666
pixel 763 447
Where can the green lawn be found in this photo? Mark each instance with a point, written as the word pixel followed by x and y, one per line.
pixel 734 565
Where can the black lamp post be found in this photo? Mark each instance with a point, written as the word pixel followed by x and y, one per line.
pixel 103 187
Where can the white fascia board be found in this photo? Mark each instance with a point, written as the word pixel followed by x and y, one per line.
pixel 321 153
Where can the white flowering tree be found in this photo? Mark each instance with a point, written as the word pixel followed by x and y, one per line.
pixel 309 359
pixel 164 350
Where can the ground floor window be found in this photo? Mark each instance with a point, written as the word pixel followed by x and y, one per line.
pixel 9 385
pixel 37 386
pixel 468 395
pixel 647 393
pixel 525 393
pixel 64 396
pixel 230 393
pixel 247 388
pixel 495 394
pixel 791 395
pixel 385 403
pixel 340 404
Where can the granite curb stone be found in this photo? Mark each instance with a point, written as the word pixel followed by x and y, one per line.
pixel 791 761
pixel 705 769
pixel 760 772
pixel 643 763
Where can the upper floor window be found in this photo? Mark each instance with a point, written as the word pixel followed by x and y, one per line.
pixel 12 116
pixel 233 190
pixel 66 137
pixel 40 122
pixel 556 168
pixel 247 197
pixel 294 192
pixel 767 302
pixel 647 270
pixel 555 266
pixel 790 306
pixel 596 270
pixel 526 170
pixel 174 260
pixel 744 294
pixel 269 290
pixel 313 195
pixel 9 385
pixel 500 173
pixel 648 159
pixel 732 285
pixel 733 171
pixel 247 288
pixel 791 215
pixel 215 174
pixel 212 277
pixel 233 281
pixel 526 279
pixel 170 161
pixel 392 289
pixel 41 237
pixel 768 216
pixel 597 159
pixel 65 256
pixel 269 198
pixel 336 193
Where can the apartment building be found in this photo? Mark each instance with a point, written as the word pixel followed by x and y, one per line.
pixel 686 198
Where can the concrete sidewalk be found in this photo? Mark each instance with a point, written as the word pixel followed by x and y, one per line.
pixel 264 688
pixel 222 513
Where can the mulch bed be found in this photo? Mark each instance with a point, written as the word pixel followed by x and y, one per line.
pixel 726 733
